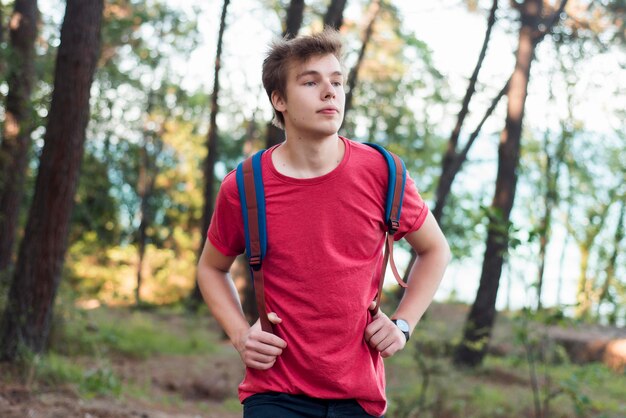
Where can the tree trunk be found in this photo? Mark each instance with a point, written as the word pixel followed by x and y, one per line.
pixel 449 164
pixel 372 14
pixel 145 187
pixel 583 293
pixel 453 159
pixel 2 61
pixel 212 149
pixel 334 14
pixel 17 124
pixel 610 267
pixel 479 323
pixel 26 320
pixel 545 226
pixel 293 21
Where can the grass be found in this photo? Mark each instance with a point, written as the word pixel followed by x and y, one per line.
pixel 422 380
pixel 54 370
pixel 84 344
pixel 132 333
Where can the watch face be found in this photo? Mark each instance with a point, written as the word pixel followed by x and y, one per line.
pixel 403 325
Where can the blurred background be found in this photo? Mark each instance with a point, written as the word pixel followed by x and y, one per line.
pixel 119 119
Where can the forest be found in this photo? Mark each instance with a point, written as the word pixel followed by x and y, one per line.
pixel 120 118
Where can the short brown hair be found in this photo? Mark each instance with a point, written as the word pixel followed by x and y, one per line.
pixel 285 51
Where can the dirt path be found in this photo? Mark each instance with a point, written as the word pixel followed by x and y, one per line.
pixel 162 387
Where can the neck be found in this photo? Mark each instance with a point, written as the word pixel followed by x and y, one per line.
pixel 303 158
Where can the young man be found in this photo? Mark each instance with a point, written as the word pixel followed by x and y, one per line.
pixel 325 230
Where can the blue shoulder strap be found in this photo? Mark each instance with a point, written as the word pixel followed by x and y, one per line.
pixel 250 185
pixel 395 186
pixel 252 197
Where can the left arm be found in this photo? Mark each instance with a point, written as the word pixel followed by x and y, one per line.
pixel 433 256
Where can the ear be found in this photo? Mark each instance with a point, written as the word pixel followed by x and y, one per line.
pixel 278 102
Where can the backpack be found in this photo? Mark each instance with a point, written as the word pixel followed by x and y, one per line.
pixel 252 198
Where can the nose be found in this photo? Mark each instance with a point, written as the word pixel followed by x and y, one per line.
pixel 329 91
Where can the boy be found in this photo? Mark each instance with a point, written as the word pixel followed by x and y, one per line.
pixel 325 229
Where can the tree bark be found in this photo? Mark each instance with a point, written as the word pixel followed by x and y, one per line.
pixel 18 123
pixel 293 21
pixel 212 149
pixel 479 323
pixel 334 14
pixel 26 321
pixel 372 14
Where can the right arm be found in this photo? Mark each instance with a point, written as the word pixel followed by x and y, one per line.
pixel 258 349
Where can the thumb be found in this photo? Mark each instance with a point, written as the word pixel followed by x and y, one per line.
pixel 274 319
pixel 372 305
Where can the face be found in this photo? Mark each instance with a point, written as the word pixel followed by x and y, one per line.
pixel 315 98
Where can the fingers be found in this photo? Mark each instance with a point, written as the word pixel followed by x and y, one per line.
pixel 372 305
pixel 261 349
pixel 384 336
pixel 274 319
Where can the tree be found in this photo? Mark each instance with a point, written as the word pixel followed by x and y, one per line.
pixel 26 320
pixel 150 149
pixel 293 21
pixel 479 323
pixel 334 14
pixel 212 149
pixel 372 14
pixel 18 123
pixel 453 158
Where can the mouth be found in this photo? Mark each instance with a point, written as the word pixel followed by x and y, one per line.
pixel 328 111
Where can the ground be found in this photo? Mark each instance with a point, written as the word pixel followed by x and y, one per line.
pixel 171 386
pixel 205 384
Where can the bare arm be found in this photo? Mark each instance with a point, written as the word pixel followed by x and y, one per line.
pixel 258 349
pixel 433 257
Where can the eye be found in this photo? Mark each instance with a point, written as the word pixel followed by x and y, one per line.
pixel 337 83
pixel 309 83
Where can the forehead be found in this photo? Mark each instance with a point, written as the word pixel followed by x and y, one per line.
pixel 323 64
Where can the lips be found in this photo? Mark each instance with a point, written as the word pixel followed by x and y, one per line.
pixel 328 111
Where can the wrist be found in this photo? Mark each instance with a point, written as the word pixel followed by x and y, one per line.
pixel 238 339
pixel 403 326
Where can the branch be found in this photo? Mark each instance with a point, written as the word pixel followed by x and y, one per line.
pixel 550 23
pixel 463 154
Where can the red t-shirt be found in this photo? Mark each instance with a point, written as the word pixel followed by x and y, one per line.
pixel 324 250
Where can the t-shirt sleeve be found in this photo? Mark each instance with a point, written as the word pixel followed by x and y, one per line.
pixel 226 228
pixel 414 210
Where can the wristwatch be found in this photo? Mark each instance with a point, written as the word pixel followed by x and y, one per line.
pixel 404 327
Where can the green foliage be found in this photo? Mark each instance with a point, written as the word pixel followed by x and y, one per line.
pixel 53 370
pixel 95 210
pixel 138 335
pixel 423 381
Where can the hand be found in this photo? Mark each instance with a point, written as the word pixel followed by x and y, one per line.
pixel 259 349
pixel 384 335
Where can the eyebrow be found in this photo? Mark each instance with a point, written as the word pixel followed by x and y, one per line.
pixel 316 73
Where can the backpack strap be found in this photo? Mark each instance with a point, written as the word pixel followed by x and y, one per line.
pixel 393 209
pixel 252 198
